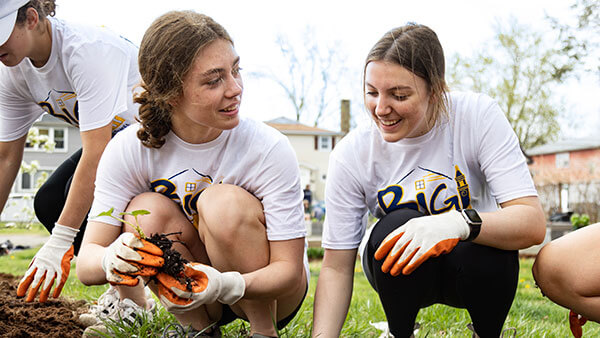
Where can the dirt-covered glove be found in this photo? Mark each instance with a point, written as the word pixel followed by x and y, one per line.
pixel 199 284
pixel 419 239
pixel 576 322
pixel 128 257
pixel 51 261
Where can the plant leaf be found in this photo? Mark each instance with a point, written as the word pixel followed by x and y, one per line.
pixel 106 213
pixel 140 212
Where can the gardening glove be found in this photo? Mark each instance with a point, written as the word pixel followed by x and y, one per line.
pixel 51 261
pixel 130 256
pixel 576 322
pixel 206 285
pixel 419 239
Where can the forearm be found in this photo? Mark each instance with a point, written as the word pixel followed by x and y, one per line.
pixel 518 225
pixel 9 168
pixel 333 294
pixel 81 193
pixel 89 265
pixel 276 280
pixel 98 236
pixel 11 156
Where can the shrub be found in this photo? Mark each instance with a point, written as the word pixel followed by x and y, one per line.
pixel 315 253
pixel 579 221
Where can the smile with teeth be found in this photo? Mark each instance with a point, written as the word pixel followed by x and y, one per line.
pixel 389 122
pixel 232 108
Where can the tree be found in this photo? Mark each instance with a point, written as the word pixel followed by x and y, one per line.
pixel 313 73
pixel 520 70
pixel 580 40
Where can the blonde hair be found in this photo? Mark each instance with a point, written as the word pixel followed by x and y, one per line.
pixel 418 49
pixel 167 52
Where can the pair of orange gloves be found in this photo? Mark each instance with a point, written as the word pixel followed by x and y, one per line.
pixel 129 257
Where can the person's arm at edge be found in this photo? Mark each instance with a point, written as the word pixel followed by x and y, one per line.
pixel 519 224
pixel 81 192
pixel 334 292
pixel 96 238
pixel 11 156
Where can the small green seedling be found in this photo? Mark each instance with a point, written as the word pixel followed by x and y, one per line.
pixel 134 213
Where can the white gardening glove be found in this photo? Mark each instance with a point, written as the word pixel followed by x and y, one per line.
pixel 128 257
pixel 207 286
pixel 51 261
pixel 419 239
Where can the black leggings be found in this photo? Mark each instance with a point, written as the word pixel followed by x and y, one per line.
pixel 51 197
pixel 479 278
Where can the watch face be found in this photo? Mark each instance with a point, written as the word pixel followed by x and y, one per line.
pixel 473 215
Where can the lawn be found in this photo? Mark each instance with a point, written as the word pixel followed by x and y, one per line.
pixel 531 314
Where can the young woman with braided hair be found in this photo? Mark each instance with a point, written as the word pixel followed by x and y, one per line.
pixel 226 187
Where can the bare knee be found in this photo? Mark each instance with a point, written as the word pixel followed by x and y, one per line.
pixel 550 273
pixel 226 211
pixel 163 212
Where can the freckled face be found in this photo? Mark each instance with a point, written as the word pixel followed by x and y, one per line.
pixel 212 92
pixel 17 47
pixel 398 100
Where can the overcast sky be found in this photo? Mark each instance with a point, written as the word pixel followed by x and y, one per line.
pixel 462 27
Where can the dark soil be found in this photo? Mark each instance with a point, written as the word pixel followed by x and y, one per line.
pixel 55 318
pixel 174 263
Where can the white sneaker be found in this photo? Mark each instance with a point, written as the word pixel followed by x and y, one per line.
pixel 110 307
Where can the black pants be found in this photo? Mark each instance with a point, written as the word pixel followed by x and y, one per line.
pixel 479 278
pixel 51 197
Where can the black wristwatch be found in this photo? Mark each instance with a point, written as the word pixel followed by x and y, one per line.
pixel 473 221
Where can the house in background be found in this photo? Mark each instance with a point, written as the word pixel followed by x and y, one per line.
pixel 67 141
pixel 567 176
pixel 313 146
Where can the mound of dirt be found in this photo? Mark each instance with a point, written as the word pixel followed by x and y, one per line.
pixel 55 318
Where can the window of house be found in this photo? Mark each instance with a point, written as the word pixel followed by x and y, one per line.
pixel 324 143
pixel 56 135
pixel 564 197
pixel 562 160
pixel 29 182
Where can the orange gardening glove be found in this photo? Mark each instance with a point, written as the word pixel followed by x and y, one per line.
pixel 128 257
pixel 207 286
pixel 419 239
pixel 575 323
pixel 51 261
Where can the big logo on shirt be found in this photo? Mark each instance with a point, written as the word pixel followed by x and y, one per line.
pixel 183 188
pixel 427 191
pixel 64 105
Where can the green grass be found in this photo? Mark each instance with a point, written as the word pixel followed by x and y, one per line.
pixel 531 314
pixel 7 228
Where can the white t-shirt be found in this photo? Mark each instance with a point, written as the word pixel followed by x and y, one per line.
pixel 471 160
pixel 87 82
pixel 252 156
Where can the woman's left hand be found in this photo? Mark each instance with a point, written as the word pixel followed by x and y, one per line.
pixel 419 239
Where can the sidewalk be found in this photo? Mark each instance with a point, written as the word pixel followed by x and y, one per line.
pixel 24 239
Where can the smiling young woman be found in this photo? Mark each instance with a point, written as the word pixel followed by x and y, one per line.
pixel 226 187
pixel 444 173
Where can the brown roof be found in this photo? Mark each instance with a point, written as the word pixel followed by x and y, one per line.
pixel 288 126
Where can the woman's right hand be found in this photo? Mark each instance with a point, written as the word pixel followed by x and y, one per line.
pixel 128 257
pixel 207 285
